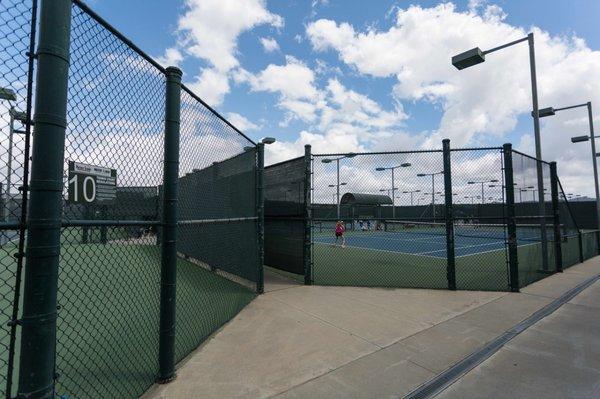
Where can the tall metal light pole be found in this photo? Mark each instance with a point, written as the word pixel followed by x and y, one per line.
pixel 476 56
pixel 392 168
pixel 411 195
pixel 432 188
pixel 482 186
pixel 550 111
pixel 337 160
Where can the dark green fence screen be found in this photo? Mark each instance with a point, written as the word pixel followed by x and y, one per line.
pixel 285 215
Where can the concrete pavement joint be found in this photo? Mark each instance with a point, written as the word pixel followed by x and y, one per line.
pixel 443 380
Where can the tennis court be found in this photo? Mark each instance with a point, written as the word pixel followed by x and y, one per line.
pixel 414 255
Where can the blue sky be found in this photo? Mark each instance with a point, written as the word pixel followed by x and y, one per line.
pixel 376 77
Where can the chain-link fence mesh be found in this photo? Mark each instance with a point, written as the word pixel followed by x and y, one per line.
pixel 17 34
pixel 390 209
pixel 110 260
pixel 479 219
pixel 217 234
pixel 536 256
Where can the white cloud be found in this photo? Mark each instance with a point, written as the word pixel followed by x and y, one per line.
pixel 481 104
pixel 269 44
pixel 172 57
pixel 211 85
pixel 209 30
pixel 241 122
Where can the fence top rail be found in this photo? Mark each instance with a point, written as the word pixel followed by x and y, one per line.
pixel 476 148
pixel 118 34
pixel 284 162
pixel 377 153
pixel 195 97
pixel 530 157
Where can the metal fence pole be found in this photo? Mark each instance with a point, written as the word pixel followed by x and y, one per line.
pixel 306 253
pixel 449 217
pixel 260 213
pixel 166 353
pixel 580 245
pixel 38 334
pixel 556 217
pixel 513 261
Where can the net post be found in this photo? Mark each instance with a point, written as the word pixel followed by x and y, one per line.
pixel 166 352
pixel 306 251
pixel 513 262
pixel 39 314
pixel 556 217
pixel 260 213
pixel 449 217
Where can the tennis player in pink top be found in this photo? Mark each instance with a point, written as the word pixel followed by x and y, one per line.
pixel 339 233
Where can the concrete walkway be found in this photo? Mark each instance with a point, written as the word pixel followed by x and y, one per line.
pixel 559 357
pixel 344 342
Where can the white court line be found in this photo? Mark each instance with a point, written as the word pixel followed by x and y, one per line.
pixel 470 246
pixel 383 250
pixel 494 250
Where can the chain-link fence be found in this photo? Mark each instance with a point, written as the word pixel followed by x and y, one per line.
pixel 113 294
pixel 17 43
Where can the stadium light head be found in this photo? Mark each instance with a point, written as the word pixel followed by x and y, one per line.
pixel 343 184
pixel 332 185
pixel 544 112
pixel 326 160
pixel 468 58
pixel 579 139
pixel 350 155
pixel 18 115
pixel 379 169
pixel 417 191
pixel 7 94
pixel 267 140
pixel 494 181
pixel 422 175
pixel 530 187
pixel 470 182
pixel 406 164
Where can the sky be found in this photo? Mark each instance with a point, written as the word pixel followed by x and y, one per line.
pixel 376 76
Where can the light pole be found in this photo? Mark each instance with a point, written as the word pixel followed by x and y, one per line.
pixel 476 56
pixel 550 111
pixel 411 195
pixel 483 182
pixel 432 188
pixel 337 161
pixel 336 195
pixel 392 168
pixel 9 95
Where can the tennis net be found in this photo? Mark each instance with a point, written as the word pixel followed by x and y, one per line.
pixel 495 231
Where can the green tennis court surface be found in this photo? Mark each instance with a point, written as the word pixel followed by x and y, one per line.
pixel 417 258
pixel 109 297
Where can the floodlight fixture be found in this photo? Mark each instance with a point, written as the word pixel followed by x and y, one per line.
pixel 468 58
pixel 7 94
pixel 579 139
pixel 267 140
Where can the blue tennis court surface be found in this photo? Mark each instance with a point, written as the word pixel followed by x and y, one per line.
pixel 415 243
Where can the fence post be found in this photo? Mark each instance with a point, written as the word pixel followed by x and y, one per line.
pixel 580 245
pixel 556 217
pixel 306 251
pixel 166 351
pixel 260 213
pixel 513 261
pixel 38 323
pixel 449 217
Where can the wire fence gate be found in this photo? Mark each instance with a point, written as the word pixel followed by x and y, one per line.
pixel 132 212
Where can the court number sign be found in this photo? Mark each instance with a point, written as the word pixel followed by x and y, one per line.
pixel 90 184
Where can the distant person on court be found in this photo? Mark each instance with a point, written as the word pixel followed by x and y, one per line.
pixel 339 233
